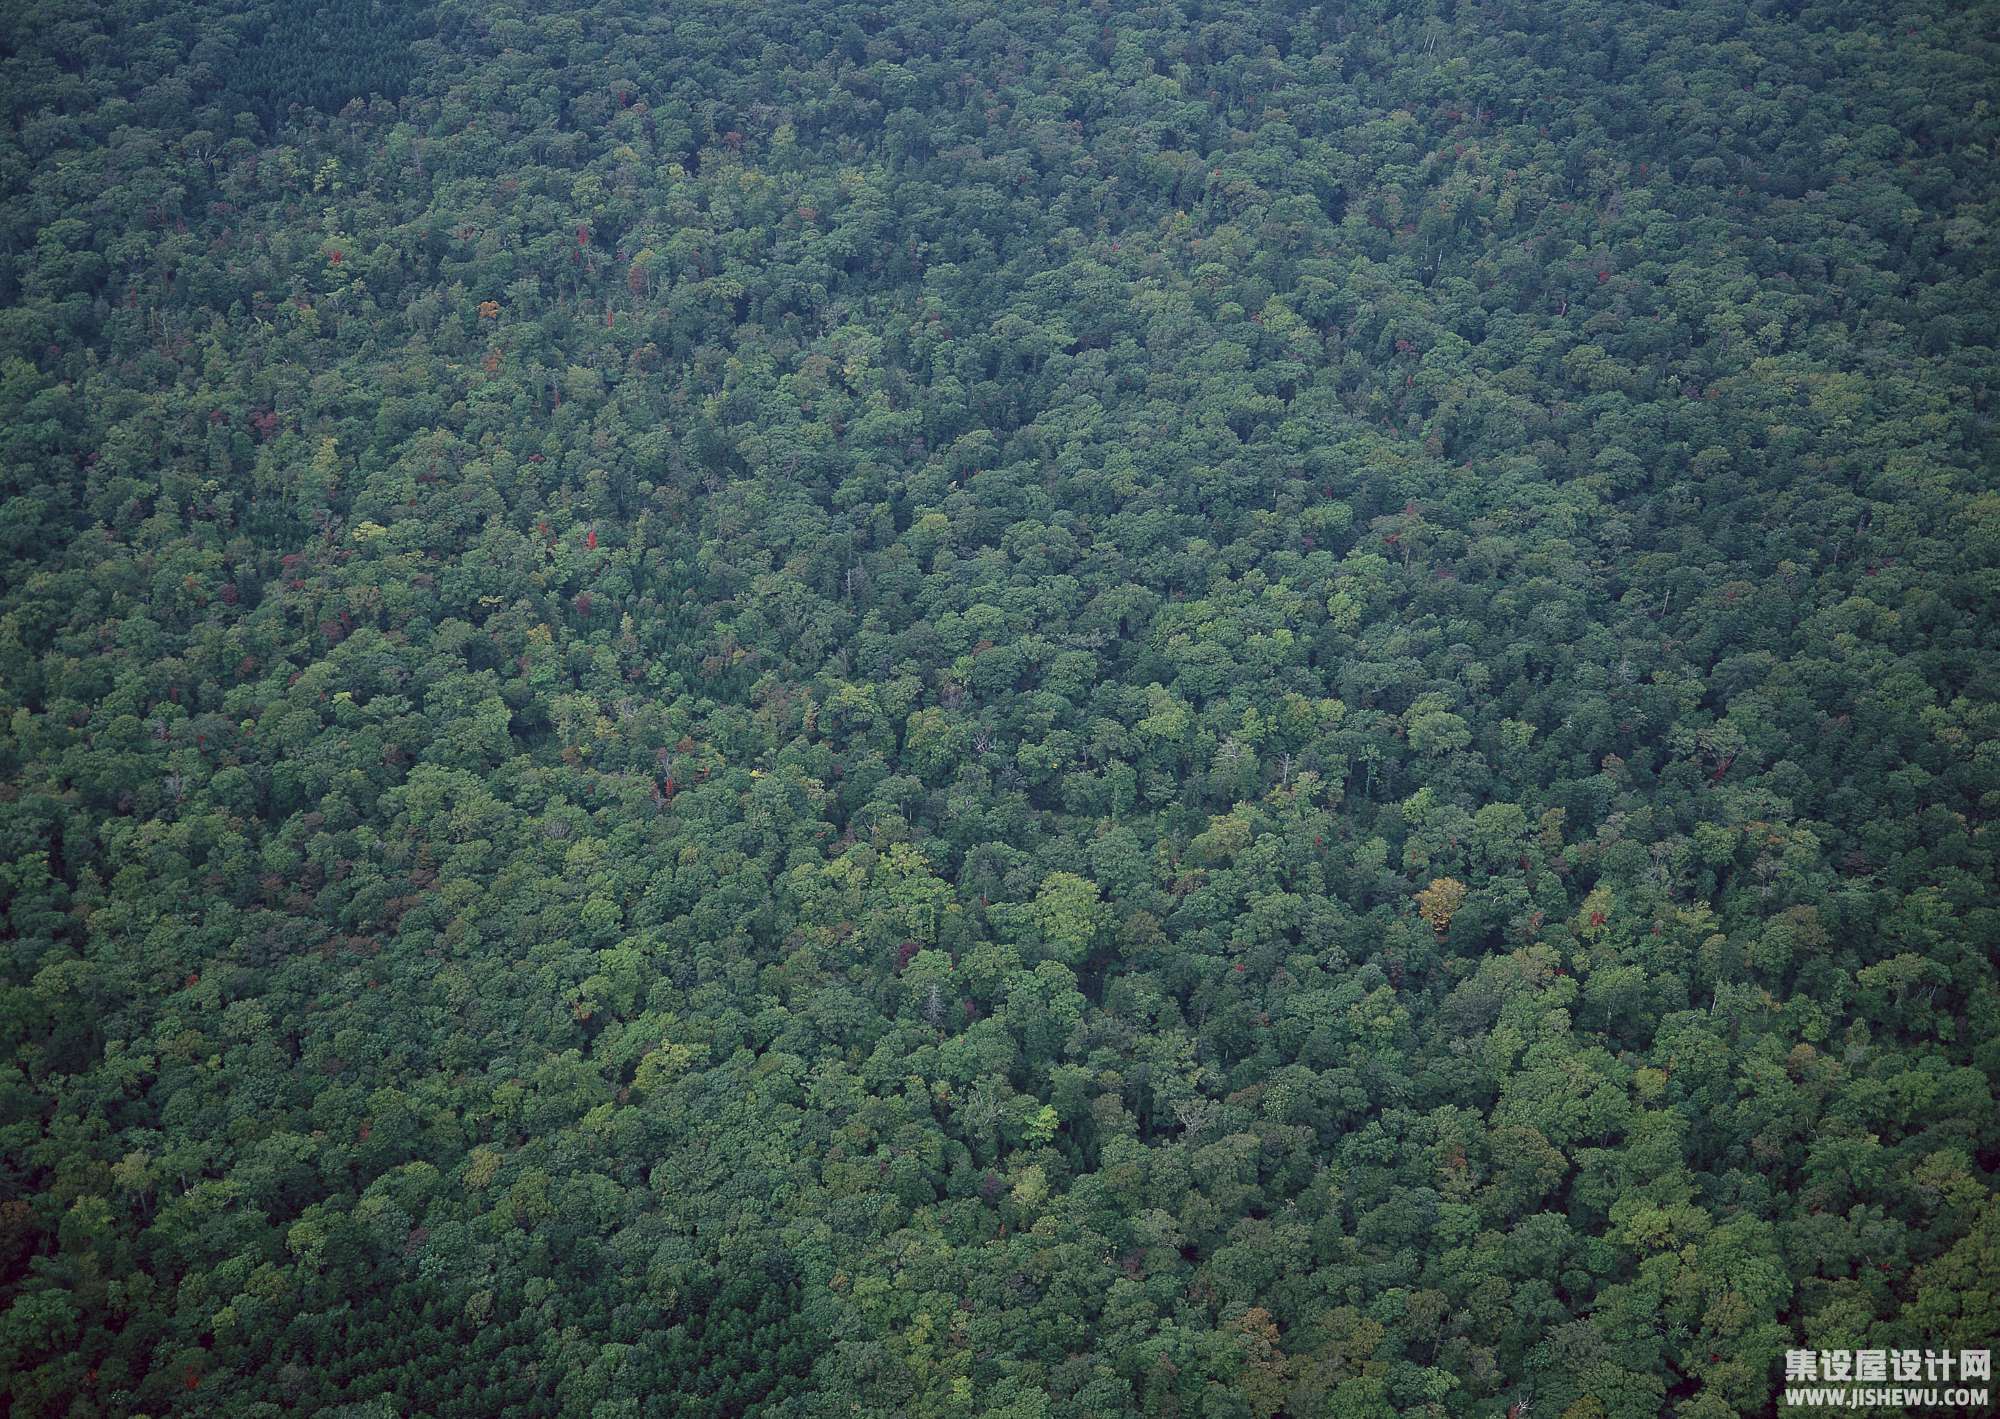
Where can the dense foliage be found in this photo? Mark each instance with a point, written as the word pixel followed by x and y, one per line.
pixel 323 53
pixel 995 708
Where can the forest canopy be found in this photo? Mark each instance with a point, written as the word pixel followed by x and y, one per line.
pixel 1254 711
